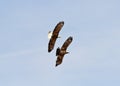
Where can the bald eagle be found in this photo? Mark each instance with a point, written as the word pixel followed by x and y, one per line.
pixel 60 52
pixel 54 35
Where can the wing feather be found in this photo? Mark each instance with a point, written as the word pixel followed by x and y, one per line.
pixel 55 35
pixel 59 59
pixel 66 43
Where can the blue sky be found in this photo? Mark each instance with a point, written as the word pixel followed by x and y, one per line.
pixel 94 58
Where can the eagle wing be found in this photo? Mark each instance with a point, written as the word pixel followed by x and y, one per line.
pixel 63 50
pixel 55 35
pixel 59 59
pixel 66 43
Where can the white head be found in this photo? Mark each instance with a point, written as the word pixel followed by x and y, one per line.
pixel 49 34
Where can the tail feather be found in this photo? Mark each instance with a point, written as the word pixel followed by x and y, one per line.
pixel 66 52
pixel 59 36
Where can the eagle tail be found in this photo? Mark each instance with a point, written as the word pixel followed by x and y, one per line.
pixel 59 37
pixel 67 53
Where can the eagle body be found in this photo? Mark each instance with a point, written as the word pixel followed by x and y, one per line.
pixel 60 52
pixel 54 36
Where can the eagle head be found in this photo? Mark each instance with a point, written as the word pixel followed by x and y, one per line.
pixel 49 35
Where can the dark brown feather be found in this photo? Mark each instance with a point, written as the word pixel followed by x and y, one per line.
pixel 55 36
pixel 62 51
pixel 66 43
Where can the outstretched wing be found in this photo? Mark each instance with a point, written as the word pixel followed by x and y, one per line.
pixel 59 59
pixel 66 43
pixel 55 35
pixel 62 51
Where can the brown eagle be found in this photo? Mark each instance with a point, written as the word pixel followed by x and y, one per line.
pixel 61 52
pixel 54 35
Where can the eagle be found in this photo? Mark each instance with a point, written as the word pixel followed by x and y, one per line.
pixel 60 52
pixel 54 35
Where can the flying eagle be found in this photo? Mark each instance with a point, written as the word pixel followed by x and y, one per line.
pixel 54 35
pixel 61 52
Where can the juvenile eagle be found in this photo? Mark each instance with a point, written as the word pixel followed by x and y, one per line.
pixel 60 52
pixel 54 35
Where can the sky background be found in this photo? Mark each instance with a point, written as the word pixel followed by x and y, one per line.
pixel 94 58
